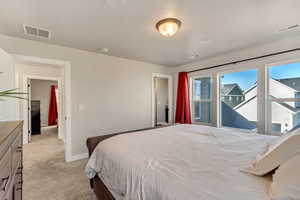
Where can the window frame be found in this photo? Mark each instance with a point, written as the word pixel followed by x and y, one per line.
pixel 270 100
pixel 240 68
pixel 262 66
pixel 192 78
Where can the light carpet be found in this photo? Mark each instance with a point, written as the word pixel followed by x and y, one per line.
pixel 47 176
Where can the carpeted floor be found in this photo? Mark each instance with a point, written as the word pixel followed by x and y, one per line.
pixel 48 177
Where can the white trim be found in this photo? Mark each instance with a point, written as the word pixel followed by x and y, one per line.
pixel 202 100
pixel 170 96
pixel 292 112
pixel 283 62
pixel 269 100
pixel 283 100
pixel 78 157
pixel 66 66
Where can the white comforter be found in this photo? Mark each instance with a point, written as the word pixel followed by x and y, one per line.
pixel 183 162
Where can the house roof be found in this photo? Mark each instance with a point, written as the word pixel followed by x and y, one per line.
pixel 285 105
pixel 251 88
pixel 291 82
pixel 289 107
pixel 244 102
pixel 227 88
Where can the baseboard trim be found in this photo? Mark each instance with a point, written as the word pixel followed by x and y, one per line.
pixel 78 157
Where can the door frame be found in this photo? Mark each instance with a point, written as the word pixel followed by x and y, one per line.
pixel 170 96
pixel 66 119
pixel 26 81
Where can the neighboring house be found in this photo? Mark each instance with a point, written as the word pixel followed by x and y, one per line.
pixel 232 94
pixel 293 83
pixel 285 116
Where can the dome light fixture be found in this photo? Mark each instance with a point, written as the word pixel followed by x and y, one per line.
pixel 168 27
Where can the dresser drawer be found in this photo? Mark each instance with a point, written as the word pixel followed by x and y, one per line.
pixel 5 172
pixel 10 139
pixel 16 152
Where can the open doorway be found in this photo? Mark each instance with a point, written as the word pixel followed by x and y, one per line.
pixel 28 69
pixel 162 100
pixel 44 107
pixel 37 84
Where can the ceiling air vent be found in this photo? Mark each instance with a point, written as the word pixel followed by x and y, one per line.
pixel 36 32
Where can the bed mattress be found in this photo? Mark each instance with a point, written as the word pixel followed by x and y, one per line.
pixel 189 162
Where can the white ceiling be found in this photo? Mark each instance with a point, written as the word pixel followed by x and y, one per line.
pixel 127 27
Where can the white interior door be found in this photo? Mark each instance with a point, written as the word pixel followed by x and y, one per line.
pixel 161 101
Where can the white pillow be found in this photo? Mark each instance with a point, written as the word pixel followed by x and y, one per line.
pixel 279 152
pixel 286 181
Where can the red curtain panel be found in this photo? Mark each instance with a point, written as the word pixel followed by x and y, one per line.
pixel 52 116
pixel 183 113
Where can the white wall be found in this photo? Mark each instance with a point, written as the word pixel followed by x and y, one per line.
pixel 8 107
pixel 279 90
pixel 109 94
pixel 282 116
pixel 251 93
pixel 244 110
pixel 161 98
pixel 41 90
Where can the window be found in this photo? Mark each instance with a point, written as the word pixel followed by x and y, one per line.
pixel 201 100
pixel 284 98
pixel 240 109
pixel 269 104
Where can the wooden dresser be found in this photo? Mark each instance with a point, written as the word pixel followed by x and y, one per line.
pixel 11 160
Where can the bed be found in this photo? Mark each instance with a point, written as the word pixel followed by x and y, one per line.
pixel 177 162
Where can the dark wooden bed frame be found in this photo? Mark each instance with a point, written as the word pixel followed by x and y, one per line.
pixel 96 183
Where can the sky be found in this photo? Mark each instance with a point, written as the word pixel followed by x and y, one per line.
pixel 246 79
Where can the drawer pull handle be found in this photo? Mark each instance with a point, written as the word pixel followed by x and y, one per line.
pixel 19 150
pixel 3 183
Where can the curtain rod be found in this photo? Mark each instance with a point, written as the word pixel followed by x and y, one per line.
pixel 245 60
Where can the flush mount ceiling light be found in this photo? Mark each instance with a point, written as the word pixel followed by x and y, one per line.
pixel 168 27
